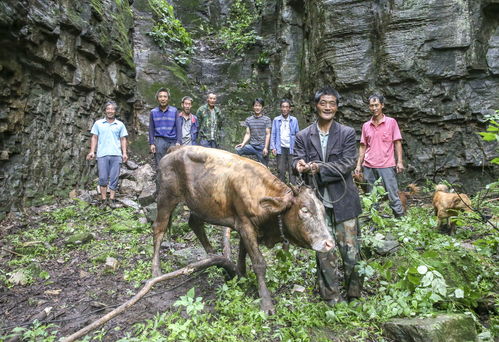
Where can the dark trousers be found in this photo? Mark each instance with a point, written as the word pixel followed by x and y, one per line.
pixel 208 143
pixel 347 236
pixel 254 150
pixel 162 146
pixel 284 164
pixel 388 176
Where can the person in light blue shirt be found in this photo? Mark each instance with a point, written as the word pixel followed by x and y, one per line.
pixel 282 141
pixel 109 139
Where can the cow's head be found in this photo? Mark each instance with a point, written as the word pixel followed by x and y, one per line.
pixel 304 219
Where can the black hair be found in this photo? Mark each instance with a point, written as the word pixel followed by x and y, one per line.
pixel 380 98
pixel 327 90
pixel 285 101
pixel 260 101
pixel 160 90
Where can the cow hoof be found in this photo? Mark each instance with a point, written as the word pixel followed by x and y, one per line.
pixel 268 308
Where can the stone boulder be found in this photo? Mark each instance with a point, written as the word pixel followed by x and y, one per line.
pixel 187 256
pixel 147 196
pixel 442 328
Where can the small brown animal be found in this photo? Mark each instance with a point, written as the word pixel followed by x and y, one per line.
pixel 403 195
pixel 447 205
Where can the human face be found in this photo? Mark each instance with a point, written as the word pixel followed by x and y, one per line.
pixel 163 99
pixel 285 108
pixel 257 108
pixel 110 112
pixel 186 106
pixel 212 100
pixel 327 107
pixel 376 108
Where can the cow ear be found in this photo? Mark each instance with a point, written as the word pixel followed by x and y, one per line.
pixel 275 204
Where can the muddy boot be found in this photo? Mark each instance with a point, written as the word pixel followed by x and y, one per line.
pixel 113 204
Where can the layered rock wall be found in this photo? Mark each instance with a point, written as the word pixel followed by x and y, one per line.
pixel 436 62
pixel 60 61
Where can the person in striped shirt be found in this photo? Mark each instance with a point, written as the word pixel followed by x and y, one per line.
pixel 162 126
pixel 257 138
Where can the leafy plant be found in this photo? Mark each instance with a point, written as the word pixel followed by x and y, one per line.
pixel 492 132
pixel 168 31
pixel 37 332
pixel 238 33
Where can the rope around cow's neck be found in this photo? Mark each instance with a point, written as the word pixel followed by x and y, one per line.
pixel 281 230
pixel 316 187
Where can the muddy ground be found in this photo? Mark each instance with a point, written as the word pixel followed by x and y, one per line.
pixel 78 297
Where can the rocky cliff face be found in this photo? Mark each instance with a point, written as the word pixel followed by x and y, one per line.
pixel 59 62
pixel 435 61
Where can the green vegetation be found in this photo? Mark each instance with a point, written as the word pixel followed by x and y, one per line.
pixel 77 227
pixel 122 20
pixel 492 133
pixel 238 32
pixel 428 273
pixel 168 31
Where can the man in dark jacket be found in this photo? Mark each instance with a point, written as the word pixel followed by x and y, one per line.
pixel 327 152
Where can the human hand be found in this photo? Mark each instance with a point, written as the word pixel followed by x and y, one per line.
pixel 153 148
pixel 314 168
pixel 90 156
pixel 239 146
pixel 400 167
pixel 358 170
pixel 274 151
pixel 265 152
pixel 124 157
pixel 302 167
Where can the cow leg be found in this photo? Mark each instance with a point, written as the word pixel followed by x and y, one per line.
pixel 197 225
pixel 161 224
pixel 248 236
pixel 241 260
pixel 226 243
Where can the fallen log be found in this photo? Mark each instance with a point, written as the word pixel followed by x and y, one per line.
pixel 216 260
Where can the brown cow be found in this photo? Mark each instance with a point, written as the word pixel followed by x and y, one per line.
pixel 224 189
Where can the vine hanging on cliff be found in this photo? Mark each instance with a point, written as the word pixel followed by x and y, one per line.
pixel 238 33
pixel 168 30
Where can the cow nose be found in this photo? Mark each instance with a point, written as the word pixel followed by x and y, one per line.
pixel 328 245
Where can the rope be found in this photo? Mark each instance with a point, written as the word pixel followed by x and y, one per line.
pixel 281 231
pixel 316 187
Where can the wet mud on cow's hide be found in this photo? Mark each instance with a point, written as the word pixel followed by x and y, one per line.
pixel 225 189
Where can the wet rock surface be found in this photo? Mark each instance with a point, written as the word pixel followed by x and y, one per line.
pixel 435 61
pixel 442 328
pixel 432 60
pixel 60 62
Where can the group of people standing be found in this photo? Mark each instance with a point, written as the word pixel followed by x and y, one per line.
pixel 325 154
pixel 169 126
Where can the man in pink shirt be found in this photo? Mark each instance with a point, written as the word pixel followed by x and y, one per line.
pixel 380 139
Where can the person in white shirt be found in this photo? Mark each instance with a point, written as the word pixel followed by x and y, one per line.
pixel 282 141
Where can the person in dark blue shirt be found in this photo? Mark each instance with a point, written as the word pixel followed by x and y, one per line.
pixel 162 126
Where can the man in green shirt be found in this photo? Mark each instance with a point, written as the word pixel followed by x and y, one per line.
pixel 210 121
